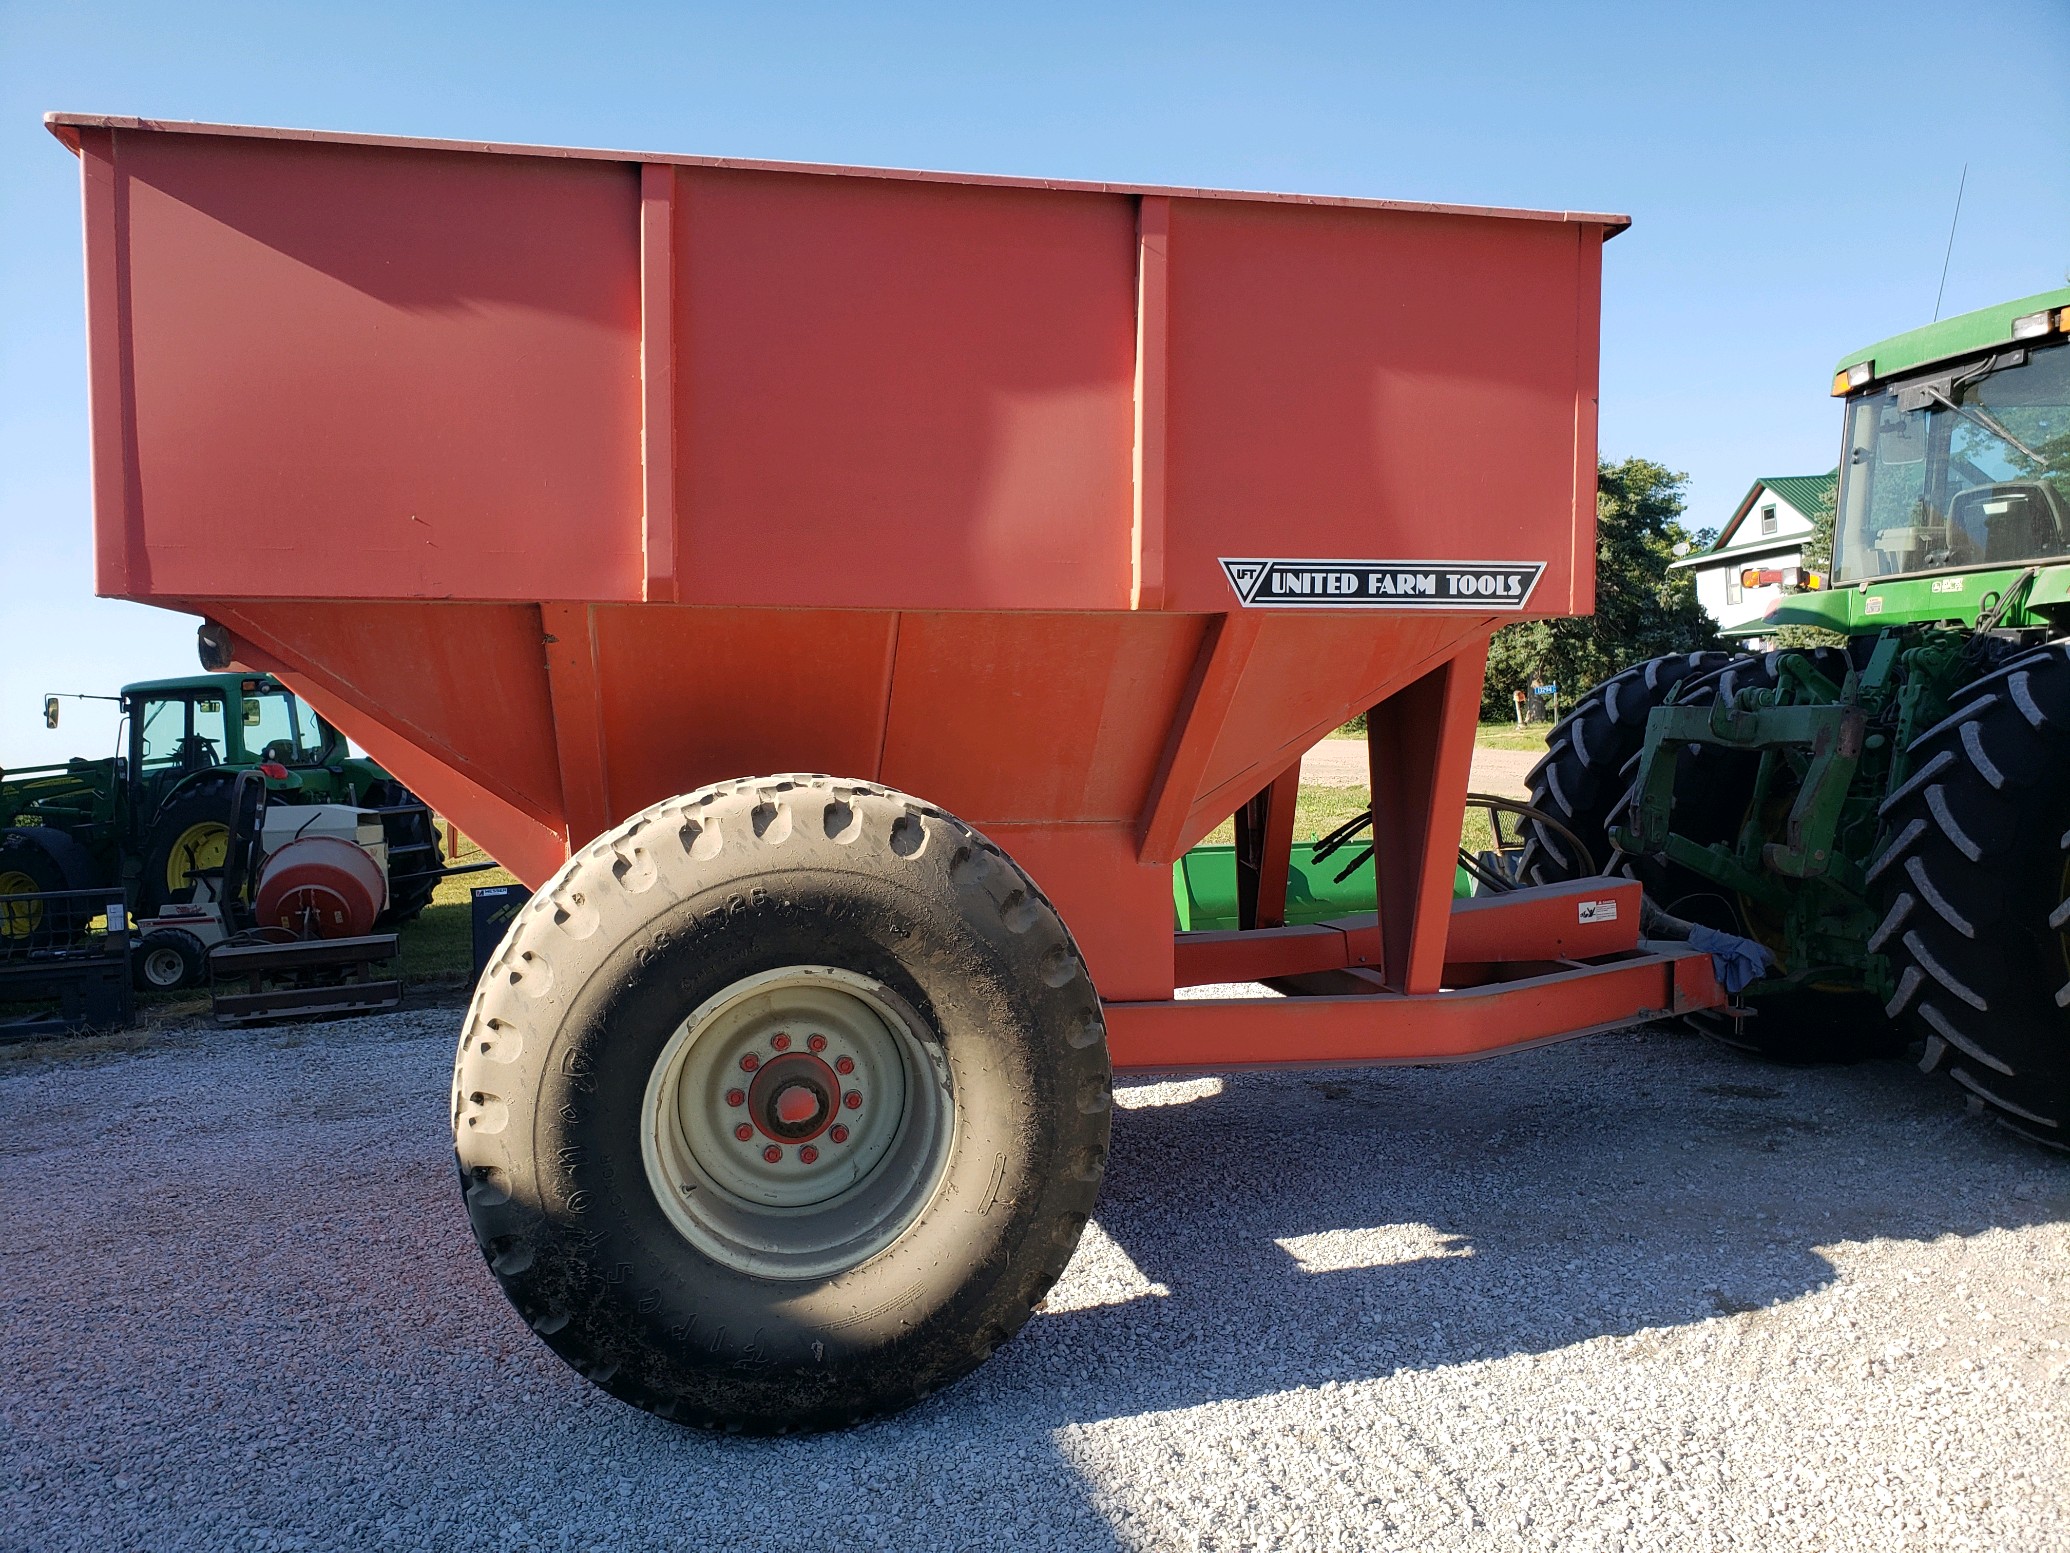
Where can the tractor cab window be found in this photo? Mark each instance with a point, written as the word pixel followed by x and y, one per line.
pixel 278 727
pixel 1958 467
pixel 181 733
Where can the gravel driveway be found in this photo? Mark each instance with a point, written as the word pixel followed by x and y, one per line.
pixel 1630 1292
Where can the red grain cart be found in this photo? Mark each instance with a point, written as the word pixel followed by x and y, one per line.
pixel 590 491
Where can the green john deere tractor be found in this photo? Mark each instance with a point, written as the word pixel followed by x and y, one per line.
pixel 1890 814
pixel 148 819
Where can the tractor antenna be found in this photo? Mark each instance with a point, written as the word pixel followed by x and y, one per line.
pixel 1959 187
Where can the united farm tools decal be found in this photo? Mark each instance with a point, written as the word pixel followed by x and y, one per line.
pixel 1384 584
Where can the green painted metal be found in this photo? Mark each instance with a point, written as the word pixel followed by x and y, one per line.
pixel 1204 888
pixel 1962 335
pixel 1950 597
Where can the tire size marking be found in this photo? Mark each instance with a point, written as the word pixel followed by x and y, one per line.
pixel 1299 584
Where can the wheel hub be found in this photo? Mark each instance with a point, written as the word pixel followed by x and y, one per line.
pixel 797 1122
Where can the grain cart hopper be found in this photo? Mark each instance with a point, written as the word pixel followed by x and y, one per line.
pixel 597 495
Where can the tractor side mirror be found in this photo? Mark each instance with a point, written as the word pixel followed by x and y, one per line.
pixel 50 711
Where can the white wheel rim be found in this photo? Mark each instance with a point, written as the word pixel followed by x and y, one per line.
pixel 797 1123
pixel 163 967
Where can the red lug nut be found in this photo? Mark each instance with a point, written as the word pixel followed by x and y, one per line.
pixel 808 1154
pixel 817 1043
pixel 853 1100
pixel 839 1134
pixel 772 1153
pixel 780 1041
pixel 736 1097
pixel 750 1062
pixel 743 1132
pixel 844 1064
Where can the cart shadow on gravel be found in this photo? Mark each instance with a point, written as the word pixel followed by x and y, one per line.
pixel 1298 1229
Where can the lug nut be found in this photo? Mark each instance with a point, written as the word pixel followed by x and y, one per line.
pixel 743 1132
pixel 839 1134
pixel 844 1064
pixel 772 1153
pixel 780 1041
pixel 750 1062
pixel 853 1100
pixel 736 1097
pixel 808 1154
pixel 816 1043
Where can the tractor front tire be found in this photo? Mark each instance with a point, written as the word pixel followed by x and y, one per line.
pixel 1974 879
pixel 782 1104
pixel 413 852
pixel 36 860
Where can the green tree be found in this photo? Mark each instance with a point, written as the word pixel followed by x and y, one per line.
pixel 1642 608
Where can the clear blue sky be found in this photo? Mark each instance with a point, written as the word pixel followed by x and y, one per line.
pixel 1791 170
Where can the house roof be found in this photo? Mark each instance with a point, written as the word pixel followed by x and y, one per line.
pixel 1804 492
pixel 1774 544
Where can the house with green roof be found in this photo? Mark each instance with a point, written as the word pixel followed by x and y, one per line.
pixel 1768 532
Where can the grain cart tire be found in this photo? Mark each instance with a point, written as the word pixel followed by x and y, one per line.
pixel 168 960
pixel 191 831
pixel 1973 877
pixel 1589 759
pixel 36 860
pixel 412 838
pixel 1806 1026
pixel 782 1104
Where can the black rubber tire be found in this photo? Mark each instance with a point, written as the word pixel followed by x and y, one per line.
pixel 1588 762
pixel 54 861
pixel 158 950
pixel 205 801
pixel 642 926
pixel 1972 878
pixel 412 839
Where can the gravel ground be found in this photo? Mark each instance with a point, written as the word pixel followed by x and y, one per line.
pixel 1630 1292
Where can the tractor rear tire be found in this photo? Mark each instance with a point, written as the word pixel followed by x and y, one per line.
pixel 412 838
pixel 1588 764
pixel 37 860
pixel 190 832
pixel 1973 879
pixel 795 1259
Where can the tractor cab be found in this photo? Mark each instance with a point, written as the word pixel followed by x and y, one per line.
pixel 1957 446
pixel 182 728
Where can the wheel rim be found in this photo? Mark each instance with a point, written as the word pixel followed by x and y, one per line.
pixel 164 968
pixel 797 1123
pixel 205 844
pixel 18 919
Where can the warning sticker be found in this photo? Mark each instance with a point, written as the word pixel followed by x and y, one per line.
pixel 1474 585
pixel 1599 911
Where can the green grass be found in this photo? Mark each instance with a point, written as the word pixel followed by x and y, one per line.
pixel 1320 810
pixel 1508 736
pixel 439 946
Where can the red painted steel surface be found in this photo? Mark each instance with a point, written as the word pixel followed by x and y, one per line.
pixel 1478 1021
pixel 566 481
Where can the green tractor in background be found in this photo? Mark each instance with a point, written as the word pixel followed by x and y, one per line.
pixel 154 817
pixel 1888 814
